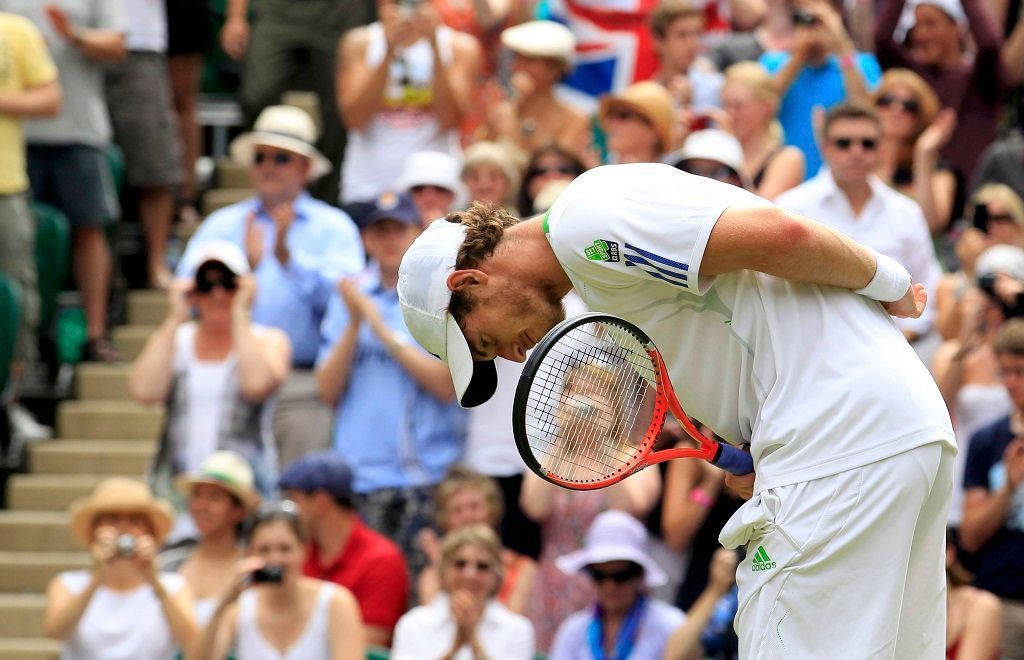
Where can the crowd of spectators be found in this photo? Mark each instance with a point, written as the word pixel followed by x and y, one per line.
pixel 317 490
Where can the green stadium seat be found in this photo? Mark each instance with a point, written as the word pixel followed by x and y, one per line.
pixel 53 258
pixel 10 318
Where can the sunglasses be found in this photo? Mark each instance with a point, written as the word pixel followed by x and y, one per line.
pixel 559 169
pixel 910 106
pixel 480 566
pixel 625 115
pixel 621 576
pixel 867 144
pixel 215 276
pixel 278 158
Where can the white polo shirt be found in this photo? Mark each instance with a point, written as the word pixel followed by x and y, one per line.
pixel 817 379
pixel 890 222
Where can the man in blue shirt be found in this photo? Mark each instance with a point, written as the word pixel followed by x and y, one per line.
pixel 397 423
pixel 821 69
pixel 299 248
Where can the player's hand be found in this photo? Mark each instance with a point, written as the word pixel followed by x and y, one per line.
pixel 911 305
pixel 741 485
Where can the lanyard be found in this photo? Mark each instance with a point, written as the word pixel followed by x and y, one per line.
pixel 626 637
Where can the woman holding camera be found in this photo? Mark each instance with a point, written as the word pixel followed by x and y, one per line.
pixel 271 612
pixel 121 607
pixel 217 374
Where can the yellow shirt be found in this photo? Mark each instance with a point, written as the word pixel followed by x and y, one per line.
pixel 24 63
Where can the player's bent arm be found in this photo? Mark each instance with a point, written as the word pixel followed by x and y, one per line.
pixel 984 514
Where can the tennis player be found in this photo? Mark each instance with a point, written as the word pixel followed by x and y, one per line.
pixel 777 332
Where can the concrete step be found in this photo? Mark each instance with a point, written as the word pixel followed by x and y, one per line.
pixel 25 648
pixel 30 572
pixel 218 198
pixel 130 339
pixel 108 420
pixel 113 457
pixel 97 381
pixel 48 492
pixel 35 530
pixel 147 307
pixel 21 615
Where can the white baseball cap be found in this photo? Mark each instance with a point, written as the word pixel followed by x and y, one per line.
pixel 433 168
pixel 424 296
pixel 221 251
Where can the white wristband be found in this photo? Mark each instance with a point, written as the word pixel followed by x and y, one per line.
pixel 890 282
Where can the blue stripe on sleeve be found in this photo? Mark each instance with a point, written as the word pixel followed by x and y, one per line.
pixel 658 257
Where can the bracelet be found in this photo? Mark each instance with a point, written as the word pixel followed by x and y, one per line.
pixel 847 61
pixel 701 497
pixel 890 282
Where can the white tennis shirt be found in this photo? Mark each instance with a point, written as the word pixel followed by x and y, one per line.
pixel 817 379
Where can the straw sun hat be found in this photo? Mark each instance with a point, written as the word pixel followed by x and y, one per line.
pixel 227 470
pixel 120 495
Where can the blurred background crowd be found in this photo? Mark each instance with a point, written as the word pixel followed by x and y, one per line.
pixel 207 384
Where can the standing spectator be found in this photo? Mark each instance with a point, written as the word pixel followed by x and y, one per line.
pixel 993 524
pixel 465 621
pixel 341 548
pixel 821 68
pixel 973 86
pixel 432 180
pixel 396 420
pixel 121 606
pixel 28 88
pixel 751 104
pixel 217 375
pixel 404 86
pixel 220 496
pixel 290 39
pixel 914 129
pixel 139 98
pixel 547 164
pixel 271 610
pixel 677 26
pixel 298 248
pixel 491 173
pixel 849 197
pixel 67 160
pixel 639 123
pixel 626 622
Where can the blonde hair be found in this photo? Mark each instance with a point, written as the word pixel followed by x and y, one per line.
pixel 922 92
pixel 461 477
pixel 1003 194
pixel 755 78
pixel 480 536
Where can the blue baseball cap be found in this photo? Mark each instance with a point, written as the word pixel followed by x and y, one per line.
pixel 320 471
pixel 391 206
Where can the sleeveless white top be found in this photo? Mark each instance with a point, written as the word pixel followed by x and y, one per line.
pixel 977 406
pixel 405 123
pixel 313 644
pixel 206 385
pixel 121 625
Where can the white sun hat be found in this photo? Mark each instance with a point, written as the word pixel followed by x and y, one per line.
pixel 284 127
pixel 614 536
pixel 424 296
pixel 541 39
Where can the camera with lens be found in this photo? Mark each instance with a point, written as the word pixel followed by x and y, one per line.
pixel 803 17
pixel 271 574
pixel 125 545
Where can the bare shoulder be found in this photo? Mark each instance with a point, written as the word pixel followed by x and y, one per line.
pixel 355 40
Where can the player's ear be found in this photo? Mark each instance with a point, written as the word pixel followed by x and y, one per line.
pixel 465 279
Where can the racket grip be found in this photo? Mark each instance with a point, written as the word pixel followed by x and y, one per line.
pixel 733 460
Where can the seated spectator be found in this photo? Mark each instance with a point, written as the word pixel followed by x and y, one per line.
pixel 465 621
pixel 298 249
pixel 216 374
pixel 491 173
pixel 677 27
pixel 432 179
pixel 466 498
pixel 404 85
pixel 220 496
pixel 550 163
pixel 341 548
pixel 712 153
pixel 639 123
pixel 751 104
pixel 625 622
pixel 399 444
pixel 974 615
pixel 914 129
pixel 269 609
pixel 532 116
pixel 695 637
pixel 121 601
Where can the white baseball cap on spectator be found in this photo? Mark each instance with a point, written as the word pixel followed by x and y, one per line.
pixel 1008 259
pixel 908 19
pixel 283 127
pixel 614 536
pixel 715 145
pixel 221 251
pixel 542 39
pixel 433 168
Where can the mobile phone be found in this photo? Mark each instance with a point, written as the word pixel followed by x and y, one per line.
pixel 979 217
pixel 268 575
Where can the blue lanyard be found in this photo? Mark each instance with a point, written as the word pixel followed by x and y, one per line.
pixel 626 637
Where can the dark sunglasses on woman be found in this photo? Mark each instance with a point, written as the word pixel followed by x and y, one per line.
pixel 910 106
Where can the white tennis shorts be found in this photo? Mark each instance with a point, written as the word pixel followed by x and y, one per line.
pixel 848 566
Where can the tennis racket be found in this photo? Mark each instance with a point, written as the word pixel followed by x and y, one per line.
pixel 591 402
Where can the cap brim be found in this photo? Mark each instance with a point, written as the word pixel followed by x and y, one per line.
pixel 574 562
pixel 474 382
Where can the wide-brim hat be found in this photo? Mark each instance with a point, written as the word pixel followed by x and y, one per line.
pixel 227 470
pixel 120 495
pixel 283 127
pixel 614 536
pixel 650 100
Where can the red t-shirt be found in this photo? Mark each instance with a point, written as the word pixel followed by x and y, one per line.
pixel 373 569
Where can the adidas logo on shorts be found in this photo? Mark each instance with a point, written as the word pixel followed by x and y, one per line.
pixel 761 560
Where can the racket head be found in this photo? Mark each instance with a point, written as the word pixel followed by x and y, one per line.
pixel 589 404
